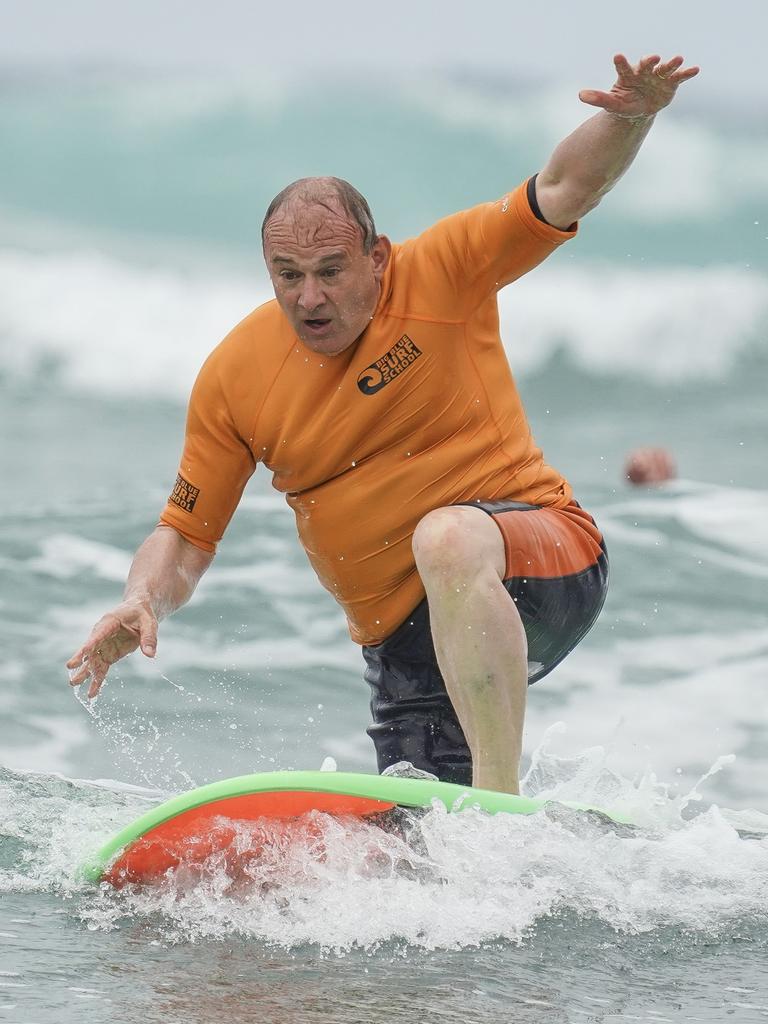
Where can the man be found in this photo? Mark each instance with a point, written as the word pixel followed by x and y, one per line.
pixel 376 390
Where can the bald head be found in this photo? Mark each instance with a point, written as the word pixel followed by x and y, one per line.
pixel 338 197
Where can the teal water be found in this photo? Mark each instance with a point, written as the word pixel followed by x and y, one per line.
pixel 129 213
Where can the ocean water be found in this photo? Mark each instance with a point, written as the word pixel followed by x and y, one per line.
pixel 129 216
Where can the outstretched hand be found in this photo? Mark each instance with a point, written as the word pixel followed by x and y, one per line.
pixel 116 634
pixel 640 90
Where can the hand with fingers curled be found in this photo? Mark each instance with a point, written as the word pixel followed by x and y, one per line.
pixel 131 625
pixel 643 89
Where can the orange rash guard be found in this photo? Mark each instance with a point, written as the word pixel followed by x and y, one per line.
pixel 421 412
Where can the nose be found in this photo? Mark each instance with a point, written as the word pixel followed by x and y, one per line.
pixel 312 295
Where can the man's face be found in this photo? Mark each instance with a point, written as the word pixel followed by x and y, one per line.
pixel 324 282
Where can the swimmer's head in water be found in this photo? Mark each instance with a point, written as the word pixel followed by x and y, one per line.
pixel 649 466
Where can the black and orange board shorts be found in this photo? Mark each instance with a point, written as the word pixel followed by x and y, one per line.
pixel 557 575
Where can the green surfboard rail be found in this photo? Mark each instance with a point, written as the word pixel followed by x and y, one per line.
pixel 390 789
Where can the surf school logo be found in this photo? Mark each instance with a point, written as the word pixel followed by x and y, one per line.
pixel 184 494
pixel 402 355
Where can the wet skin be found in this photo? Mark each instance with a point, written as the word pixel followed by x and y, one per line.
pixel 325 283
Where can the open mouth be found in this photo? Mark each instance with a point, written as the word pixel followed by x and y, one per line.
pixel 317 324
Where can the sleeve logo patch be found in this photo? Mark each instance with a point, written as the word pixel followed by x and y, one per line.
pixel 184 494
pixel 402 355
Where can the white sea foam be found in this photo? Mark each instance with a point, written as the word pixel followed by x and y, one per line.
pixel 107 327
pixel 342 883
pixel 51 743
pixel 730 517
pixel 104 326
pixel 64 556
pixel 663 324
pixel 672 701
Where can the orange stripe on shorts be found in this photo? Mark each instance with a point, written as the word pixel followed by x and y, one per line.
pixel 546 543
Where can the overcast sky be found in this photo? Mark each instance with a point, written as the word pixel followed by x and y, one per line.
pixel 562 38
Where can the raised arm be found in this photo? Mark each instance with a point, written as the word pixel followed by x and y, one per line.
pixel 163 576
pixel 590 161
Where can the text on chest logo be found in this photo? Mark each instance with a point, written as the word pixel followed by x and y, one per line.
pixel 402 355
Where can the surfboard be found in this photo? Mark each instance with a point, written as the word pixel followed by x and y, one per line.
pixel 190 827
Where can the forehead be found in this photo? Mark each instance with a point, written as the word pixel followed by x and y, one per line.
pixel 311 230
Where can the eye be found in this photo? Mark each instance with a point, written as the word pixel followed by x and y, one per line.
pixel 288 275
pixel 331 272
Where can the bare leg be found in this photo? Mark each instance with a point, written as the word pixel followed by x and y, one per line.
pixel 478 636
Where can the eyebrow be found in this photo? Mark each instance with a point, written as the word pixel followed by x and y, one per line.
pixel 333 257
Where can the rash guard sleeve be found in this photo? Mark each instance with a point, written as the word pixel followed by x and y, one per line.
pixel 215 465
pixel 467 257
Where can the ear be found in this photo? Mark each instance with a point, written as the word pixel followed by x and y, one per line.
pixel 381 250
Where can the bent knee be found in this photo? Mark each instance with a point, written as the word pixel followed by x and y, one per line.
pixel 458 539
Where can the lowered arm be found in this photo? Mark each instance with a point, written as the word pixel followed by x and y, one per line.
pixel 165 571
